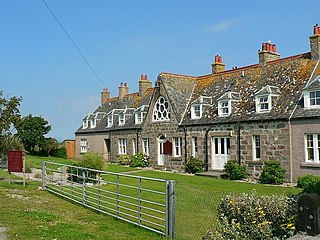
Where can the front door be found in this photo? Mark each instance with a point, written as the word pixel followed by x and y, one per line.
pixel 161 155
pixel 221 152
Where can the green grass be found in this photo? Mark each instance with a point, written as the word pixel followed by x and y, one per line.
pixel 196 201
pixel 36 161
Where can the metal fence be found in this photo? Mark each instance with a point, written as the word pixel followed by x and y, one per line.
pixel 146 202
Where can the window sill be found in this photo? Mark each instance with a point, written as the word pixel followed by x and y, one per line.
pixel 176 158
pixel 310 165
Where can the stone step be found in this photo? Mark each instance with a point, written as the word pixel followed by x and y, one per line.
pixel 214 174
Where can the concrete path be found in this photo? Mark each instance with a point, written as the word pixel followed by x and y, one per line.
pixel 3 235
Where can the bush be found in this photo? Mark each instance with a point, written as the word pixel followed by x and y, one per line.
pixel 250 216
pixel 89 160
pixel 194 165
pixel 235 171
pixel 309 183
pixel 139 160
pixel 123 159
pixel 60 152
pixel 272 173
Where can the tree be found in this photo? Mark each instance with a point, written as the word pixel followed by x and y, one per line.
pixel 9 112
pixel 31 131
pixel 10 142
pixel 49 144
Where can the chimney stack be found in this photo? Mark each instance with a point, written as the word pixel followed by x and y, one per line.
pixel 144 84
pixel 268 53
pixel 123 90
pixel 315 43
pixel 218 65
pixel 105 95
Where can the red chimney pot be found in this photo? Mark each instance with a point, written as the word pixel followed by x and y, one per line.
pixel 216 58
pixel 145 77
pixel 220 59
pixel 142 77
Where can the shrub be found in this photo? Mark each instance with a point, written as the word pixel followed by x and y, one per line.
pixel 89 160
pixel 139 160
pixel 235 171
pixel 250 216
pixel 310 183
pixel 60 152
pixel 194 165
pixel 272 173
pixel 123 159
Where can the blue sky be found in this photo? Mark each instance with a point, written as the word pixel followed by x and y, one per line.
pixel 124 39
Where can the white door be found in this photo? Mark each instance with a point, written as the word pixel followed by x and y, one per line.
pixel 221 152
pixel 161 155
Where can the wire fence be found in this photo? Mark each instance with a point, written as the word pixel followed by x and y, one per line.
pixel 146 202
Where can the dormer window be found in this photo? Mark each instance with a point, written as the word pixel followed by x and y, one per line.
pixel 161 111
pixel 315 98
pixel 223 108
pixel 93 123
pixel 138 117
pixel 198 106
pixel 265 98
pixel 121 119
pixel 110 121
pixel 85 124
pixel 225 103
pixel 196 111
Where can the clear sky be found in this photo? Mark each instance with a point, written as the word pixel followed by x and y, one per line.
pixel 124 39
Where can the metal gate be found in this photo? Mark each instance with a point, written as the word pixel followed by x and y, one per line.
pixel 143 201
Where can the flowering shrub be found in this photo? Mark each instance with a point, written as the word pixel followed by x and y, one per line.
pixel 139 160
pixel 194 165
pixel 272 173
pixel 235 171
pixel 250 216
pixel 123 159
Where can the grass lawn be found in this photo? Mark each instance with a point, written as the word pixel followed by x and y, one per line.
pixel 36 161
pixel 196 200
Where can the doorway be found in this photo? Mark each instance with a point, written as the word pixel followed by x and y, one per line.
pixel 220 152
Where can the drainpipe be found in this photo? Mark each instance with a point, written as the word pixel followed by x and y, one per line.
pixel 239 143
pixel 206 167
pixel 185 144
pixel 137 139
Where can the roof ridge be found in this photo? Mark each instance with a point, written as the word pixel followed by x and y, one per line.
pixel 177 75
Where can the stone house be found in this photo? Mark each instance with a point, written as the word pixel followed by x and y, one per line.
pixel 266 111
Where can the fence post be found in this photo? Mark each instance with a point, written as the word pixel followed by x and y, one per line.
pixel 83 187
pixel 44 175
pixel 170 209
pixel 139 201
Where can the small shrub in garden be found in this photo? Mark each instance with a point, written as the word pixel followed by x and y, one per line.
pixel 250 216
pixel 272 173
pixel 310 183
pixel 60 152
pixel 123 159
pixel 139 160
pixel 235 171
pixel 194 165
pixel 89 160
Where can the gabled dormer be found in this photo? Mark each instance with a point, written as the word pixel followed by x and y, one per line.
pixel 96 118
pixel 123 114
pixel 140 113
pixel 110 116
pixel 311 94
pixel 265 98
pixel 86 120
pixel 198 106
pixel 225 103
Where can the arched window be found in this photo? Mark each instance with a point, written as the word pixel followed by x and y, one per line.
pixel 161 111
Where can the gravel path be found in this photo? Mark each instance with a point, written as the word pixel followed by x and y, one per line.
pixel 3 235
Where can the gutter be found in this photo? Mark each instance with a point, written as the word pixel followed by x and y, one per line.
pixel 206 149
pixel 239 143
pixel 185 144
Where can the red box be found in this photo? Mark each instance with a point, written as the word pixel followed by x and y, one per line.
pixel 15 161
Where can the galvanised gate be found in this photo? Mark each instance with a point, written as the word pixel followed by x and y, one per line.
pixel 143 201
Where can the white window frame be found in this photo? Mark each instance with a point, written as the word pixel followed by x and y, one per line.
pixel 256 146
pixel 195 113
pixel 224 105
pixel 122 119
pixel 122 144
pixel 160 108
pixel 315 147
pixel 93 123
pixel 85 124
pixel 146 146
pixel 109 120
pixel 259 103
pixel 177 147
pixel 84 146
pixel 307 99
pixel 138 117
pixel 194 147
